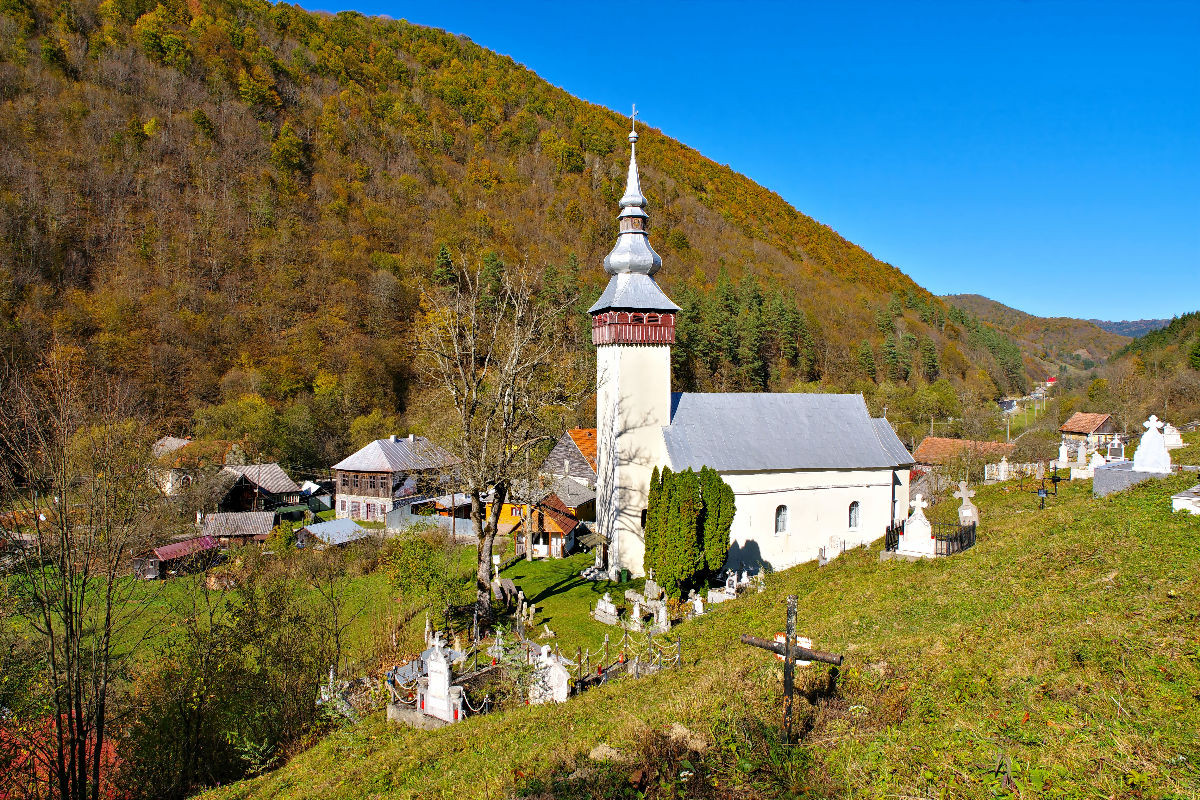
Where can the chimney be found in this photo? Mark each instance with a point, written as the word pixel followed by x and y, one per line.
pixel 394 438
pixel 412 438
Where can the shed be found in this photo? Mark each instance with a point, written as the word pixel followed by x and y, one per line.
pixel 1095 429
pixel 182 555
pixel 239 527
pixel 334 533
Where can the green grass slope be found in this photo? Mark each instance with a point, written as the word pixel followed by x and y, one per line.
pixel 1061 649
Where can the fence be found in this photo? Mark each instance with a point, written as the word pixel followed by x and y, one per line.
pixel 949 537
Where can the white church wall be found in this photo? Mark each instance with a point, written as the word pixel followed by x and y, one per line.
pixel 818 510
pixel 633 403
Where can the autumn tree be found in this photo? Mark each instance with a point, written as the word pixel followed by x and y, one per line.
pixel 75 466
pixel 504 365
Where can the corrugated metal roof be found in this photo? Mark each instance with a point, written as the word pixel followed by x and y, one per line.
pixel 774 431
pixel 633 291
pixel 891 442
pixel 337 531
pixel 573 494
pixel 185 548
pixel 167 444
pixel 238 523
pixel 268 477
pixel 396 455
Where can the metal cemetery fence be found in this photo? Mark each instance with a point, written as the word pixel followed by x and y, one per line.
pixel 950 537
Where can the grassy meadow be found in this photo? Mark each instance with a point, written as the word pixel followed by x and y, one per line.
pixel 1058 658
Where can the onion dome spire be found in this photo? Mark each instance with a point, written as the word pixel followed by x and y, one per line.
pixel 633 253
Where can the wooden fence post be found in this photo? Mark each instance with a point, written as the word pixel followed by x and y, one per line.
pixel 789 669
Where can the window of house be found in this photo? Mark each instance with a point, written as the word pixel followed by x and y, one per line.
pixel 371 482
pixel 781 515
pixel 644 512
pixel 355 509
pixel 854 515
pixel 354 480
pixel 345 480
pixel 343 506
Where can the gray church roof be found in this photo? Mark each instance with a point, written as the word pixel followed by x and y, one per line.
pixel 783 431
pixel 633 290
pixel 889 439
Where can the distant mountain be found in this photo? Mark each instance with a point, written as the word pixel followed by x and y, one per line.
pixel 1170 344
pixel 1131 327
pixel 1049 342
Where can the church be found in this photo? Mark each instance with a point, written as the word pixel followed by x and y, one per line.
pixel 811 473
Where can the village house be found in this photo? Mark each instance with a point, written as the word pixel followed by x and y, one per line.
pixel 238 528
pixel 937 451
pixel 258 487
pixel 371 482
pixel 809 472
pixel 180 462
pixel 1095 430
pixel 573 457
pixel 548 522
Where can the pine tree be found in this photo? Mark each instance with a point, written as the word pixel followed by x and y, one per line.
pixel 678 554
pixel 444 273
pixel 866 360
pixel 929 359
pixel 1194 356
pixel 653 512
pixel 891 358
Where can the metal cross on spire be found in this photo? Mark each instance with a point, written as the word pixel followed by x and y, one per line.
pixel 633 118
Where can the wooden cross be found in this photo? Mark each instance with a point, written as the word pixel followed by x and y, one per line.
pixel 791 653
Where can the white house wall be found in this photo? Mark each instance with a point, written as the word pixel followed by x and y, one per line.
pixel 818 513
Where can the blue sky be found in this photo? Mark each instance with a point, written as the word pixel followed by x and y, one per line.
pixel 1045 154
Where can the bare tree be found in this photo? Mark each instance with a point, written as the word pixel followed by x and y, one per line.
pixel 75 473
pixel 506 361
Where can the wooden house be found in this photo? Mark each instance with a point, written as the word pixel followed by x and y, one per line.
pixel 573 457
pixel 258 487
pixel 372 481
pixel 239 528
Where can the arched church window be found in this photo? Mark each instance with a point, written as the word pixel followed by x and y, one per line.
pixel 854 515
pixel 781 515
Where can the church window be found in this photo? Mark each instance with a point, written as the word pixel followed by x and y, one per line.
pixel 644 511
pixel 781 514
pixel 854 515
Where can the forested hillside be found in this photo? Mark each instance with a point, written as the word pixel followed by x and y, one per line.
pixel 232 207
pixel 1050 342
pixel 1131 327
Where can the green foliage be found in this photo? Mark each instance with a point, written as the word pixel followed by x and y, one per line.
pixel 866 360
pixel 1194 356
pixel 288 151
pixel 424 565
pixel 717 519
pixel 929 359
pixel 688 519
pixel 444 272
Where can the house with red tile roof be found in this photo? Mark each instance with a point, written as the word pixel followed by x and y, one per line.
pixel 936 451
pixel 1095 429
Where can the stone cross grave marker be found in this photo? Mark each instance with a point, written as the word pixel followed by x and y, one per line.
pixel 917 538
pixel 552 680
pixel 968 513
pixel 1064 454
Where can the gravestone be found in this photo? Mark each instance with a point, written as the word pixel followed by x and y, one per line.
pixel 635 617
pixel 634 596
pixel 968 513
pixel 917 539
pixel 1116 449
pixel 1039 471
pixel 662 619
pixel 606 610
pixel 1064 454
pixel 1152 455
pixel 1172 437
pixel 652 589
pixel 435 696
pixel 1005 471
pixel 1081 455
pixel 1097 461
pixel 731 584
pixel 551 679
pixel 697 603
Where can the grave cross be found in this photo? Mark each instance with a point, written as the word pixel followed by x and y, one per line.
pixel 791 653
pixel 920 504
pixel 1154 423
pixel 963 492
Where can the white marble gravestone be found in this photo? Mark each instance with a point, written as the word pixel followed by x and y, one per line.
pixel 435 696
pixel 697 603
pixel 551 679
pixel 1005 471
pixel 1081 455
pixel 1064 454
pixel 1152 455
pixel 662 618
pixel 1172 437
pixel 1097 461
pixel 917 539
pixel 968 513
pixel 652 589
pixel 606 610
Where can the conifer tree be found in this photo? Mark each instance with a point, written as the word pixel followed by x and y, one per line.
pixel 444 273
pixel 1194 357
pixel 679 550
pixel 717 518
pixel 653 512
pixel 866 360
pixel 929 358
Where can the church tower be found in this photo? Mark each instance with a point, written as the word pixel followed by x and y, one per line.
pixel 633 327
